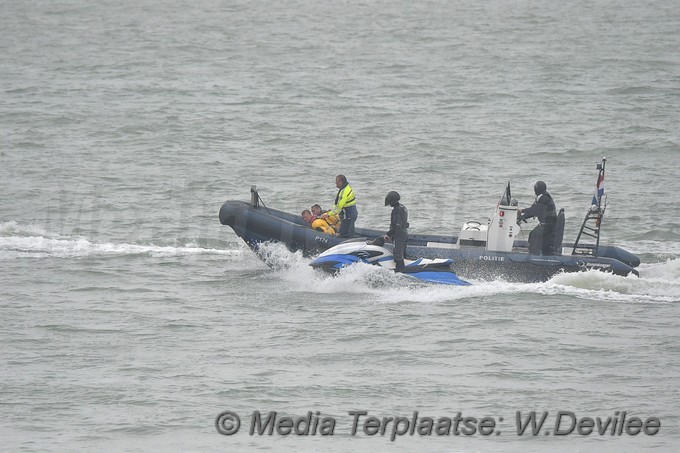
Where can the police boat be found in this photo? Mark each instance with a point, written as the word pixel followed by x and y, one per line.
pixel 352 252
pixel 488 250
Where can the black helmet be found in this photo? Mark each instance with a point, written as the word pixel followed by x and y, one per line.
pixel 392 198
pixel 540 187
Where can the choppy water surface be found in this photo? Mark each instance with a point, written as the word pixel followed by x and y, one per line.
pixel 131 317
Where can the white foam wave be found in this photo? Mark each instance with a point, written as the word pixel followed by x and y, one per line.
pixel 295 269
pixel 13 228
pixel 17 241
pixel 659 283
pixel 379 284
pixel 667 270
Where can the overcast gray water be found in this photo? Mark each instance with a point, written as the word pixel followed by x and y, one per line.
pixel 130 318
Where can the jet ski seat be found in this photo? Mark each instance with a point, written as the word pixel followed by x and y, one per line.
pixel 559 233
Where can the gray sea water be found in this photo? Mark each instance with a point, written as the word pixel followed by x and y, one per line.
pixel 130 318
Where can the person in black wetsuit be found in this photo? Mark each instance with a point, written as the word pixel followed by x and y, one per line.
pixel 398 228
pixel 542 237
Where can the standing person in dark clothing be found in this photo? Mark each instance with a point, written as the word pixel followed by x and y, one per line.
pixel 542 237
pixel 398 228
pixel 345 206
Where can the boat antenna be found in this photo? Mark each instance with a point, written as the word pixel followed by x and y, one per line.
pixel 255 199
pixel 593 220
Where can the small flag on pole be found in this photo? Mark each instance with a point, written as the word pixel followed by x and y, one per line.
pixel 599 190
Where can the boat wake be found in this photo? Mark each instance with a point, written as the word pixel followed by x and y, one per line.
pixel 29 241
pixel 658 282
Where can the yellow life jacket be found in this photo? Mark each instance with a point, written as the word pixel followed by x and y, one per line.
pixel 334 221
pixel 323 226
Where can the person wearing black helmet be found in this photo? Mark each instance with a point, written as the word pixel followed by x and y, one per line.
pixel 542 237
pixel 398 233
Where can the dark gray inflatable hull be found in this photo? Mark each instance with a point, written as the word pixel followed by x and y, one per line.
pixel 258 225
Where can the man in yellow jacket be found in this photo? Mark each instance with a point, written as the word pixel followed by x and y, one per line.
pixel 345 205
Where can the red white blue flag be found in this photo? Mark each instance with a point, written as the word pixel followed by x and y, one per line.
pixel 599 190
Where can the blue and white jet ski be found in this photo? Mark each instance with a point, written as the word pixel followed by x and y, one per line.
pixel 351 252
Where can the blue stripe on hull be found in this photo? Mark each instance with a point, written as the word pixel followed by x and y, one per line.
pixel 446 278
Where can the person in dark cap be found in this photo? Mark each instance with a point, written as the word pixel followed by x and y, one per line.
pixel 542 237
pixel 398 233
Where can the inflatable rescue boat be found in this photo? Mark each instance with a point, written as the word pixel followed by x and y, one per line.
pixel 482 251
